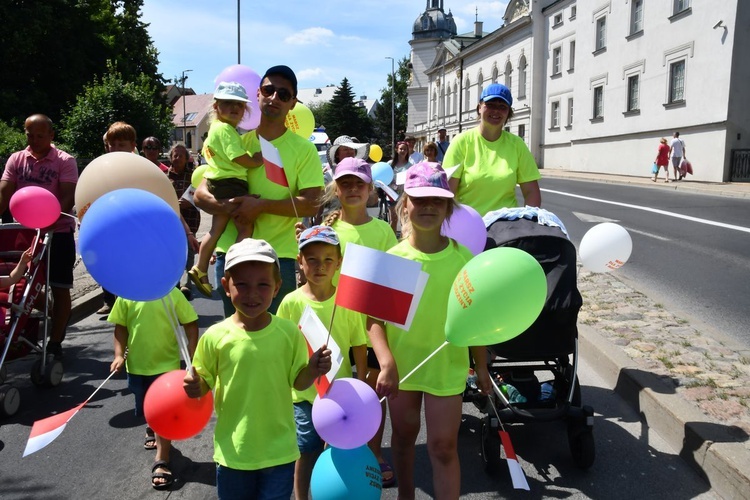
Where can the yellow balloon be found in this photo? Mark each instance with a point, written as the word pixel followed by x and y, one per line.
pixel 301 121
pixel 122 170
pixel 197 176
pixel 376 152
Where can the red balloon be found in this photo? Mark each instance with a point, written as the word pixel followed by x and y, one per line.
pixel 171 413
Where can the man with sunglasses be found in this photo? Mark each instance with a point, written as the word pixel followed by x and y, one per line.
pixel 274 208
pixel 151 147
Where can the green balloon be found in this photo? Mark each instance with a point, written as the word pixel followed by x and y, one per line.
pixel 197 177
pixel 495 297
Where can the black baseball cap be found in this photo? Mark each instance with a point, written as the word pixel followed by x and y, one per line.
pixel 285 72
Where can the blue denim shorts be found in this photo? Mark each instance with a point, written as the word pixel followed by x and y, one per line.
pixel 271 483
pixel 138 385
pixel 308 440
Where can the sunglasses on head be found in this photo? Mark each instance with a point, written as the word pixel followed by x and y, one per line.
pixel 269 90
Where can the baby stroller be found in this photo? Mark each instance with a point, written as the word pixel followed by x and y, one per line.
pixel 21 324
pixel 547 349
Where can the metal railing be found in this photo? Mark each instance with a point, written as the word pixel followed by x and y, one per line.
pixel 740 170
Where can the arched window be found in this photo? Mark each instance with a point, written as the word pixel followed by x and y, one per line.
pixel 434 108
pixel 508 74
pixel 448 108
pixel 455 98
pixel 480 84
pixel 522 77
pixel 494 74
pixel 467 94
pixel 441 106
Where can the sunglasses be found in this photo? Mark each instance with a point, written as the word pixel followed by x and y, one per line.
pixel 269 90
pixel 150 147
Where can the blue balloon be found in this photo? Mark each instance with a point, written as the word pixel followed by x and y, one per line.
pixel 345 474
pixel 133 244
pixel 382 172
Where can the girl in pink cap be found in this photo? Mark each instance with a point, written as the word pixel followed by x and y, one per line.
pixel 426 203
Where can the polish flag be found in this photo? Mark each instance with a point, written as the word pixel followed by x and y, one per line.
pixel 44 431
pixel 381 285
pixel 273 163
pixel 516 472
pixel 316 335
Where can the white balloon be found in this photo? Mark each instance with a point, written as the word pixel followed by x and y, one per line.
pixel 605 247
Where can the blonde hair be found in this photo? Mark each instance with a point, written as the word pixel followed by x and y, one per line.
pixel 213 115
pixel 329 196
pixel 404 219
pixel 663 140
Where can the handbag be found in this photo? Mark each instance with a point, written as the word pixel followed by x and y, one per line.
pixel 686 167
pixel 654 169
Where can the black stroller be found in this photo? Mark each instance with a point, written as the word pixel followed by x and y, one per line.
pixel 548 348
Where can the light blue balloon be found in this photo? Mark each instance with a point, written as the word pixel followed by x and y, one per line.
pixel 133 244
pixel 346 474
pixel 382 172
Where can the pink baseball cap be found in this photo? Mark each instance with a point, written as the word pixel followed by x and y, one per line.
pixel 354 166
pixel 426 179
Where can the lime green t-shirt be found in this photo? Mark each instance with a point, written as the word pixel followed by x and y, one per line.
pixel 347 331
pixel 445 373
pixel 252 374
pixel 489 171
pixel 303 170
pixel 152 346
pixel 223 145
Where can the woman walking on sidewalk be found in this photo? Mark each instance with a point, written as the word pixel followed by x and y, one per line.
pixel 662 159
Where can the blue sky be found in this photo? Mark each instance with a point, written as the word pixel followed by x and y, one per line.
pixel 322 41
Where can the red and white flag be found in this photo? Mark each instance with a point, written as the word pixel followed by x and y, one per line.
pixel 274 165
pixel 316 335
pixel 44 431
pixel 516 472
pixel 381 285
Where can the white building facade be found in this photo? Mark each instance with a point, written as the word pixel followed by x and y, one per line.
pixel 597 83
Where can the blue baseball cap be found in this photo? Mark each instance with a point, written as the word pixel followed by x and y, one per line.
pixel 320 234
pixel 497 91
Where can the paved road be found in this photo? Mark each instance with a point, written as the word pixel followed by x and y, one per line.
pixel 100 453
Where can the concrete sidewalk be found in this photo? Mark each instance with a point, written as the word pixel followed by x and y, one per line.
pixel 701 411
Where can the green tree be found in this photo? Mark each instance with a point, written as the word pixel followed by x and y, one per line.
pixel 12 139
pixel 51 49
pixel 112 99
pixel 382 121
pixel 342 116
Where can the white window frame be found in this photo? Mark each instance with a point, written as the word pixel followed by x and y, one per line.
pixel 556 60
pixel 636 16
pixel 557 20
pixel 570 111
pixel 633 103
pixel 572 55
pixel 677 82
pixel 597 103
pixel 680 6
pixel 600 33
pixel 672 57
pixel 554 115
pixel 508 75
pixel 522 76
pixel 573 12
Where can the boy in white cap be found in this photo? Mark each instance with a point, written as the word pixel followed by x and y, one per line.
pixel 226 175
pixel 252 360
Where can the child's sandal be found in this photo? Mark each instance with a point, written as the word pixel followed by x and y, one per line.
pixel 196 276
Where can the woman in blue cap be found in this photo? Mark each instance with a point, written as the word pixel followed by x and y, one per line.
pixel 490 160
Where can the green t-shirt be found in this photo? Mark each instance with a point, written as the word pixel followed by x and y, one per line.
pixel 152 346
pixel 347 331
pixel 252 374
pixel 445 373
pixel 303 171
pixel 489 171
pixel 223 145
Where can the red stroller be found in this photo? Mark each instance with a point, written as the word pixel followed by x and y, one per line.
pixel 20 326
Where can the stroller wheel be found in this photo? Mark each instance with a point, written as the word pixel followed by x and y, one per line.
pixel 10 400
pixel 490 446
pixel 581 441
pixel 36 375
pixel 53 373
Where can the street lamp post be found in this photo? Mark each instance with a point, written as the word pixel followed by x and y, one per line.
pixel 393 109
pixel 184 112
pixel 238 31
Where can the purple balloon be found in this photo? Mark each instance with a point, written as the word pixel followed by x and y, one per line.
pixel 251 81
pixel 349 415
pixel 466 227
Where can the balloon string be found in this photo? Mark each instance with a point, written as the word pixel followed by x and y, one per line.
pixel 419 366
pixel 174 323
pixel 71 216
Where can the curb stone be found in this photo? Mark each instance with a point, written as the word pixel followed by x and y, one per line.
pixel 717 452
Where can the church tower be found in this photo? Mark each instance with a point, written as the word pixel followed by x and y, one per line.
pixel 431 28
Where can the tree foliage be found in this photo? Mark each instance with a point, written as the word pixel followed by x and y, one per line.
pixel 112 99
pixel 382 121
pixel 342 116
pixel 51 49
pixel 12 139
